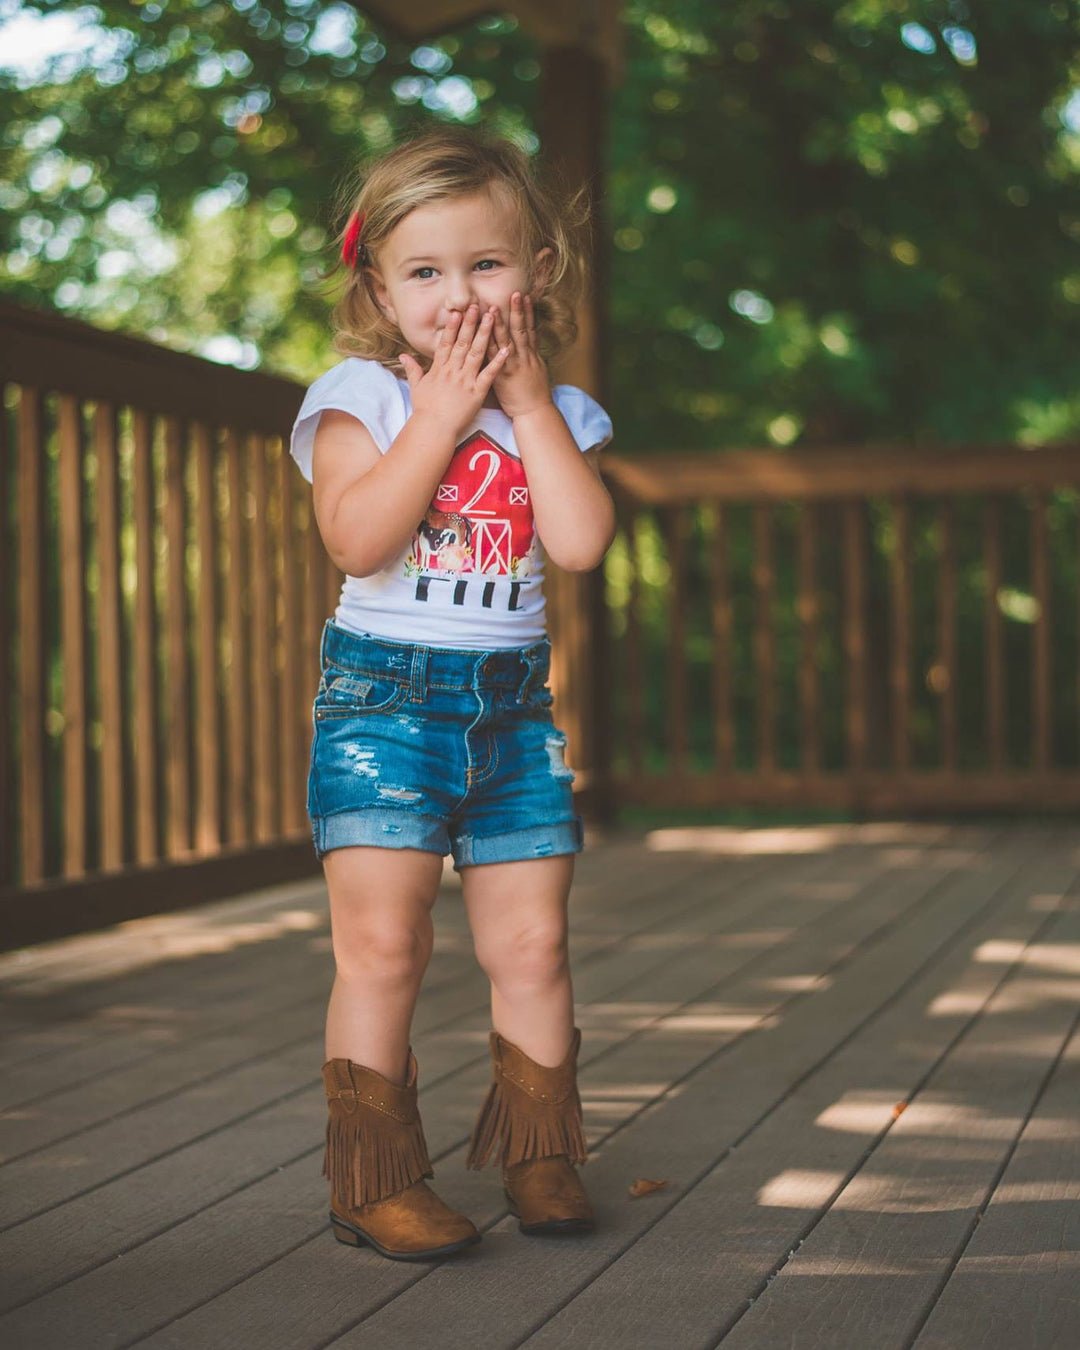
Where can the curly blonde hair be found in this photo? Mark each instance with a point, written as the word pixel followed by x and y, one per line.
pixel 449 162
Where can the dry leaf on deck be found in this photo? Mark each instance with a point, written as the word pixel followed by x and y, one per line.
pixel 643 1186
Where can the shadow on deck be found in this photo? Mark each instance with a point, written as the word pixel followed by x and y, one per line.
pixel 848 1051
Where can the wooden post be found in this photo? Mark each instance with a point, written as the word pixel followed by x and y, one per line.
pixel 8 581
pixel 110 645
pixel 573 116
pixel 30 500
pixel 73 637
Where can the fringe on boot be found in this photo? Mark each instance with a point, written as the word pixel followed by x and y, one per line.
pixel 531 1110
pixel 375 1143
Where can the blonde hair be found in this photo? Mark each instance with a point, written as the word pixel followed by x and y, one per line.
pixel 452 162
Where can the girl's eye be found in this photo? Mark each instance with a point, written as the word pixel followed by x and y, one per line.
pixel 417 272
pixel 484 262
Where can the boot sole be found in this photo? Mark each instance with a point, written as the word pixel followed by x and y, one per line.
pixel 352 1236
pixel 551 1227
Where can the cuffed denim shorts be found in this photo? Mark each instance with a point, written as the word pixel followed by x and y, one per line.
pixel 440 749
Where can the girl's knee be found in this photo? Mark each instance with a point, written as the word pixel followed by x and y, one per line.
pixel 383 951
pixel 530 956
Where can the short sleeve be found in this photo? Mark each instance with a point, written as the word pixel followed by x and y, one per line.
pixel 365 389
pixel 589 424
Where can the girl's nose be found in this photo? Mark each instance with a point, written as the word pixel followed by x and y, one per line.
pixel 460 296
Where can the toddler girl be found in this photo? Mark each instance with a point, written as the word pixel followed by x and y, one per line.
pixel 433 734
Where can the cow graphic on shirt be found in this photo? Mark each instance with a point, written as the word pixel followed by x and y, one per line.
pixel 445 540
pixel 480 521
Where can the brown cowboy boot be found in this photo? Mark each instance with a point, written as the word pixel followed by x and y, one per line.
pixel 375 1160
pixel 532 1115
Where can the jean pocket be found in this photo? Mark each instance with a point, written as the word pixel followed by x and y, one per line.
pixel 343 695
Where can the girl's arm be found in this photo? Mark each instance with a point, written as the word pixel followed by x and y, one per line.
pixel 573 510
pixel 574 514
pixel 367 505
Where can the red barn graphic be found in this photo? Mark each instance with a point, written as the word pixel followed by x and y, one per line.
pixel 480 520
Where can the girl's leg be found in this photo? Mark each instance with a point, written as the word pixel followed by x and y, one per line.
pixel 531 1119
pixel 380 917
pixel 518 915
pixel 376 1159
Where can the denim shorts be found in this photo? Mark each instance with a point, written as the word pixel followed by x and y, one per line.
pixel 440 749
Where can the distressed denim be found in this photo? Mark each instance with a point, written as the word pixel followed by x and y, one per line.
pixel 438 748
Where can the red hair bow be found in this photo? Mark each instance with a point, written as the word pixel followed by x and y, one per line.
pixel 350 245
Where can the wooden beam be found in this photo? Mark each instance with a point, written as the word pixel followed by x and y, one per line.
pixel 71 357
pixel 573 122
pixel 668 477
pixel 871 792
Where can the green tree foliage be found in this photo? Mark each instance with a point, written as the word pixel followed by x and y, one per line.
pixel 178 181
pixel 829 221
pixel 847 222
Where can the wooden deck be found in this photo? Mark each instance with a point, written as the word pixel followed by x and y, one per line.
pixel 850 1052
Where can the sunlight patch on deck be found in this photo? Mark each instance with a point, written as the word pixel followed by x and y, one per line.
pixel 862 1269
pixel 957 1003
pixel 797 984
pixel 800 1189
pixel 861 1112
pixel 140 943
pixel 739 841
pixel 621 1092
pixel 720 1020
pixel 1038 1259
pixel 1063 958
pixel 955 1120
pixel 898 1193
pixel 1038 1192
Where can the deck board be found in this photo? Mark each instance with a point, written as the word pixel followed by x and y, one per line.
pixel 280 973
pixel 783 1172
pixel 753 1006
pixel 604 1073
pixel 870 1271
pixel 272 1019
pixel 721 1090
pixel 1017 1282
pixel 169 1187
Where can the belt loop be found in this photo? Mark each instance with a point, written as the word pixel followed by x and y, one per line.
pixel 530 669
pixel 322 644
pixel 418 675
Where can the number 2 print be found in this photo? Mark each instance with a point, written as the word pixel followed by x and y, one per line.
pixel 480 521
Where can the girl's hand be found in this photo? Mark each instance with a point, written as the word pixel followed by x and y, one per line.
pixel 522 382
pixel 457 382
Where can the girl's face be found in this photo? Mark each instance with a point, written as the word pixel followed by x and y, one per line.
pixel 445 256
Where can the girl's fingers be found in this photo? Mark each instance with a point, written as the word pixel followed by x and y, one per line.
pixel 447 336
pixel 480 342
pixel 530 316
pixel 486 378
pixel 467 331
pixel 518 327
pixel 451 327
pixel 502 332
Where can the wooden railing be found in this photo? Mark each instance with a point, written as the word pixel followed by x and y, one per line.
pixel 869 630
pixel 162 593
pixel 160 607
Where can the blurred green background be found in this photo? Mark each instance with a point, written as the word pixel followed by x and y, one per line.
pixel 828 221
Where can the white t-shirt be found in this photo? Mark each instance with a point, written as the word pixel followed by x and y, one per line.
pixel 472 574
